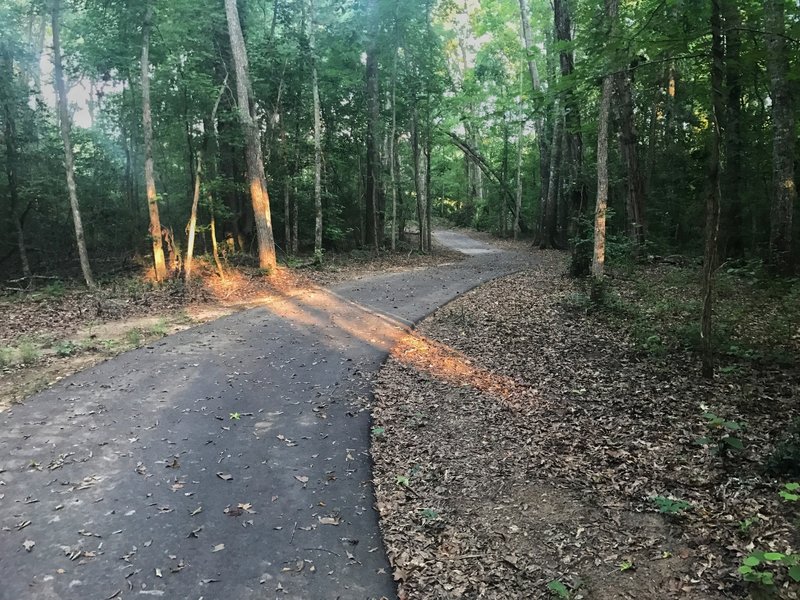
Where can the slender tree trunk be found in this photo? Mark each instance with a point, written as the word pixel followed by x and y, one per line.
pixel 259 196
pixel 713 197
pixel 214 245
pixel 149 176
pixel 392 150
pixel 192 228
pixel 547 234
pixel 518 205
pixel 374 225
pixel 538 122
pixel 599 254
pixel 419 176
pixel 428 194
pixel 69 159
pixel 784 195
pixel 629 144
pixel 317 140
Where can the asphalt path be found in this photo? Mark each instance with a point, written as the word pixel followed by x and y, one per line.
pixel 229 461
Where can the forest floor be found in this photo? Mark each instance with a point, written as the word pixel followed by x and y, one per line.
pixel 527 445
pixel 59 329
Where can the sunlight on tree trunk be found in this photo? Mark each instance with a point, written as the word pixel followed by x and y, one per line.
pixel 599 254
pixel 192 227
pixel 149 175
pixel 69 159
pixel 256 178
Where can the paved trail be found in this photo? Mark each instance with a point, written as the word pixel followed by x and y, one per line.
pixel 226 462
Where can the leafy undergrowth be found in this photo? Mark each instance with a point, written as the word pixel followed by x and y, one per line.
pixel 530 450
pixel 60 328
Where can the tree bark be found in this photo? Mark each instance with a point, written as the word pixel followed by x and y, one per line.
pixel 374 224
pixel 149 176
pixel 256 178
pixel 547 232
pixel 538 121
pixel 518 204
pixel 601 206
pixel 784 193
pixel 629 144
pixel 732 209
pixel 713 197
pixel 392 150
pixel 317 138
pixel 69 158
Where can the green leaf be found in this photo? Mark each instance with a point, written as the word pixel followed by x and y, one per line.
pixel 773 556
pixel 794 573
pixel 751 561
pixel 558 588
pixel 744 570
pixel 732 425
pixel 792 487
pixel 734 442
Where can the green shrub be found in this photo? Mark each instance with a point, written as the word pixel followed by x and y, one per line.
pixel 28 353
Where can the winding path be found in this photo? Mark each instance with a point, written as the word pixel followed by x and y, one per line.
pixel 229 461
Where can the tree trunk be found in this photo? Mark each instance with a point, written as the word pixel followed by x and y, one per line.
pixel 538 122
pixel 374 224
pixel 9 111
pixel 547 231
pixel 428 195
pixel 317 140
pixel 192 228
pixel 419 176
pixel 518 204
pixel 712 199
pixel 392 150
pixel 599 254
pixel 259 196
pixel 69 159
pixel 784 193
pixel 629 145
pixel 149 176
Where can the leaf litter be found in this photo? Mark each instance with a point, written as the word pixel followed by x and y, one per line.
pixel 543 466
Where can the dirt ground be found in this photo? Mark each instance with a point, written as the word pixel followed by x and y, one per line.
pixel 522 448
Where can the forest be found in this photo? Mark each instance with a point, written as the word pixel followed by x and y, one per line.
pixel 665 119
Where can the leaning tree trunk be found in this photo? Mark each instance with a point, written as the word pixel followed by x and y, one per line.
pixel 149 176
pixel 257 182
pixel 69 158
pixel 317 139
pixel 712 199
pixel 784 193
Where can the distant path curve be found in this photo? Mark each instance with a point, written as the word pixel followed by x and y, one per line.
pixel 229 461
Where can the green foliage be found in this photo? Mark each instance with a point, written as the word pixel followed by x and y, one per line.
pixel 134 337
pixel 759 567
pixel 720 434
pixel 378 432
pixel 66 348
pixel 670 506
pixel 28 352
pixel 6 356
pixel 429 514
pixel 790 492
pixel 402 480
pixel 745 525
pixel 558 590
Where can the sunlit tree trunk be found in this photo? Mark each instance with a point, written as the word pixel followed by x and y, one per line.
pixel 69 158
pixel 149 175
pixel 712 199
pixel 192 228
pixel 419 176
pixel 256 177
pixel 317 138
pixel 784 193
pixel 601 206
